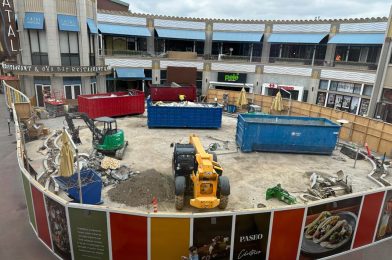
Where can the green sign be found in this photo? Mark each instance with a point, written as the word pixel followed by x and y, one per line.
pixel 89 234
pixel 232 77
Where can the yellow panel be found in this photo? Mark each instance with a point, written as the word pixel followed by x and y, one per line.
pixel 169 238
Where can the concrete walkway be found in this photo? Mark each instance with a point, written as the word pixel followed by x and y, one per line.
pixel 17 239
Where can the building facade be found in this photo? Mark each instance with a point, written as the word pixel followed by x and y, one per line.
pixel 344 64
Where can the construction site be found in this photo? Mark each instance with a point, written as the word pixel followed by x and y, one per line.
pixel 146 171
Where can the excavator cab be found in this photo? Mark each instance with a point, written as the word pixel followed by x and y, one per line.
pixel 198 173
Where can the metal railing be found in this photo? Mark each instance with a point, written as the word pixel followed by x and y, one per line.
pixel 355 64
pixel 280 60
pixel 12 95
pixel 110 52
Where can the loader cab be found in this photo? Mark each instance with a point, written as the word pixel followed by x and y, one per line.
pixel 109 125
pixel 184 160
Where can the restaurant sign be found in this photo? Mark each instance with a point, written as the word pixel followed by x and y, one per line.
pixel 9 36
pixel 53 69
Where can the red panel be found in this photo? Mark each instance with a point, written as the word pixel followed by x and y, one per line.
pixel 368 219
pixel 105 104
pixel 286 233
pixel 163 93
pixel 129 236
pixel 40 216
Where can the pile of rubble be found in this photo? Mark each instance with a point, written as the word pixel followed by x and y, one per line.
pixel 109 169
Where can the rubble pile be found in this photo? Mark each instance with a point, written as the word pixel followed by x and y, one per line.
pixel 109 169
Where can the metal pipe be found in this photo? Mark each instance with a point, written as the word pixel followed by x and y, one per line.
pixel 356 157
pixel 79 179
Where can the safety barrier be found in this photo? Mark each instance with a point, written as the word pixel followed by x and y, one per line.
pixel 75 231
pixel 12 95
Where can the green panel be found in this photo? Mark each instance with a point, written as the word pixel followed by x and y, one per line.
pixel 29 201
pixel 89 234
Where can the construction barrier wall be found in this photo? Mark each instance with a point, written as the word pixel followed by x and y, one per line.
pixel 75 231
pixel 360 130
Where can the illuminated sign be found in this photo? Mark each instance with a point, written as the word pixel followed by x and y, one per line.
pixel 232 77
pixel 9 35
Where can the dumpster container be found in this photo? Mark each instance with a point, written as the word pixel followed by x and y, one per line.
pixel 91 186
pixel 180 116
pixel 169 93
pixel 270 133
pixel 112 104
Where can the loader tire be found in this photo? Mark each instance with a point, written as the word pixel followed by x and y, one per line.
pixel 224 200
pixel 179 201
pixel 214 157
pixel 224 186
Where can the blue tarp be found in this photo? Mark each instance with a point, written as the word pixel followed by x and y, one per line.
pixel 92 26
pixel 358 38
pixel 181 34
pixel 68 23
pixel 310 38
pixel 130 73
pixel 237 36
pixel 116 29
pixel 34 21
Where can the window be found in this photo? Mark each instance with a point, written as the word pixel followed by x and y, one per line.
pixel 367 90
pixel 364 107
pixel 92 49
pixel 199 83
pixel 163 76
pixel 72 91
pixel 334 85
pixel 323 84
pixel 42 91
pixel 38 47
pixel 354 105
pixel 69 48
pixel 274 51
pixel 373 54
pixel 354 53
pixel 93 88
pixel 331 100
pixel 321 96
pixel 341 53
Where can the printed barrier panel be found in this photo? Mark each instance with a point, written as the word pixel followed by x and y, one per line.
pixel 330 228
pixel 129 236
pixel 29 200
pixel 40 216
pixel 89 234
pixel 251 236
pixel 384 229
pixel 57 216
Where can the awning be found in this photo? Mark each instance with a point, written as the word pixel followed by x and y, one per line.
pixel 34 21
pixel 68 23
pixel 237 36
pixel 181 34
pixel 358 38
pixel 92 26
pixel 116 29
pixel 130 73
pixel 310 38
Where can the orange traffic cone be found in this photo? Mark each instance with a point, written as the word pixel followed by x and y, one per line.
pixel 369 153
pixel 155 204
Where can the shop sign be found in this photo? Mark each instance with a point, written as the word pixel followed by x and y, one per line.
pixel 9 35
pixel 53 69
pixel 232 77
pixel 273 85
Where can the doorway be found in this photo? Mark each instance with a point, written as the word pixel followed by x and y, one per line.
pixel 42 92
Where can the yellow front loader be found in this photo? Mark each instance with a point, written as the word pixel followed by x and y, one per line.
pixel 198 173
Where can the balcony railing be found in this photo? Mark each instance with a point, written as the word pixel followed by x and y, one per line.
pixel 355 64
pixel 110 52
pixel 297 61
pixel 225 57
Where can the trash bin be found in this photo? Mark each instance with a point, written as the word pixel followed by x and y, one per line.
pixel 231 108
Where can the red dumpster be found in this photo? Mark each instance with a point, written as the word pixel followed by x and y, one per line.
pixel 170 93
pixel 112 104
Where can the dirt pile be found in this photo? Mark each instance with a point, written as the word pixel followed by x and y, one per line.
pixel 141 188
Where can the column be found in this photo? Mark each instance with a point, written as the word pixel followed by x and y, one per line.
pixel 258 80
pixel 208 41
pixel 156 72
pixel 265 53
pixel 52 33
pixel 23 34
pixel 313 86
pixel 151 39
pixel 83 34
pixel 206 77
pixel 331 48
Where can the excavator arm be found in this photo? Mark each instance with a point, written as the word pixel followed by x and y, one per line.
pixel 69 117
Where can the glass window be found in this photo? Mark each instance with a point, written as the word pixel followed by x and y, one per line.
pixel 367 90
pixel 321 98
pixel 387 95
pixel 341 53
pixel 364 107
pixel 34 42
pixel 43 41
pixel 354 105
pixel 275 49
pixel 331 100
pixel 334 85
pixel 64 46
pixel 72 91
pixel 73 42
pixel 357 88
pixel 323 84
pixel 373 54
pixel 345 87
pixel 338 101
pixel 346 103
pixel 354 53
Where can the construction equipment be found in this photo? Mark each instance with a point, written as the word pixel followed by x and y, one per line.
pixel 281 194
pixel 198 173
pixel 108 140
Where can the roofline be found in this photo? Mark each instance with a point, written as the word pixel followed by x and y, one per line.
pixel 120 2
pixel 155 16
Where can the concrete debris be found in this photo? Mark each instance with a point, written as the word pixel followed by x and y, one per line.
pixel 110 163
pixel 339 158
pixel 324 186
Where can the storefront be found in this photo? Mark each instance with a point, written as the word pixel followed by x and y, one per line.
pixel 271 89
pixel 384 108
pixel 346 96
pixel 124 79
pixel 231 81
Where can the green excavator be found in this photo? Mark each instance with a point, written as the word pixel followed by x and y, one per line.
pixel 107 139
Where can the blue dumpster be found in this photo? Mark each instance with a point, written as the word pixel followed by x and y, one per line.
pixel 270 133
pixel 91 186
